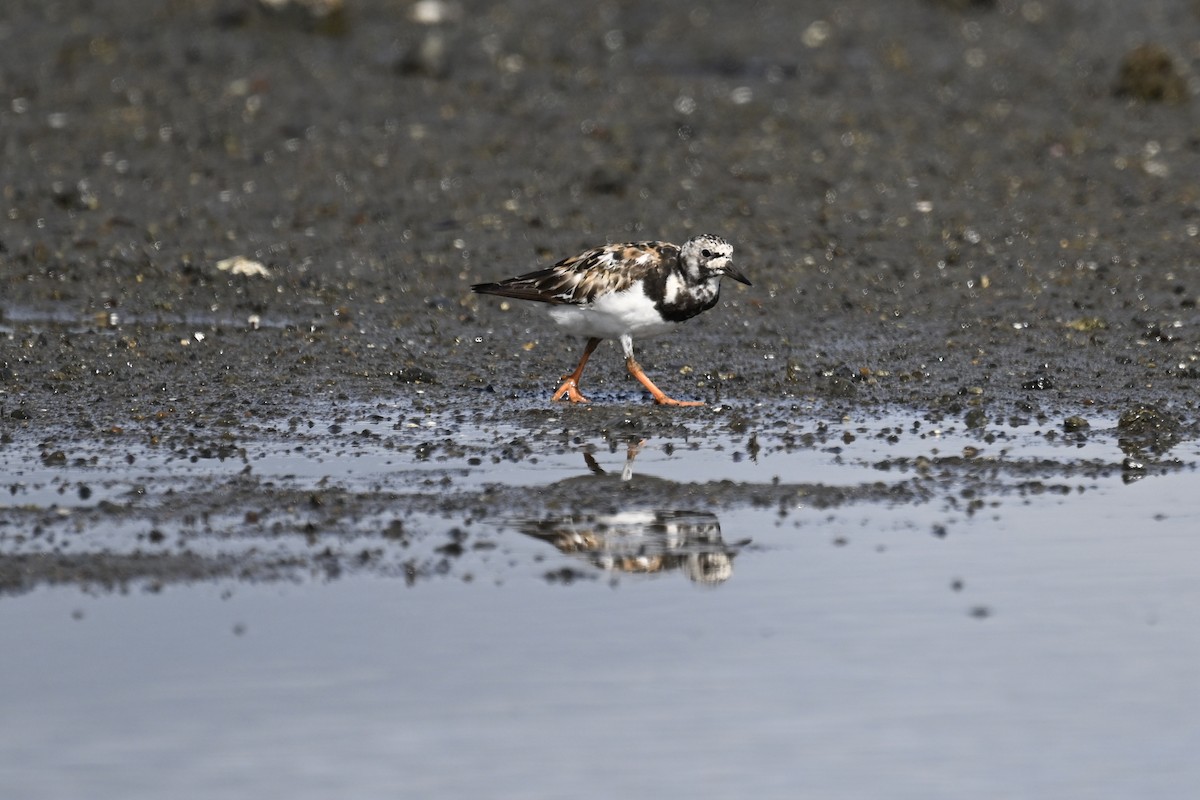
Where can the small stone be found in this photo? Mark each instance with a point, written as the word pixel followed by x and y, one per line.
pixel 435 12
pixel 1145 419
pixel 1087 324
pixel 1149 73
pixel 240 265
pixel 430 57
pixel 56 458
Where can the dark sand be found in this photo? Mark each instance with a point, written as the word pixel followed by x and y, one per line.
pixel 965 211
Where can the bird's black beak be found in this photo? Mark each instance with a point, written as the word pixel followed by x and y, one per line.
pixel 737 276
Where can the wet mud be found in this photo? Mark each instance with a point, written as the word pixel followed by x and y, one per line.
pixel 977 217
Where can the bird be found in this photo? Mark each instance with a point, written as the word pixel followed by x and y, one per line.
pixel 619 291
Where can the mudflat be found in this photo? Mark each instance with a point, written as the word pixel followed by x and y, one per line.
pixel 961 209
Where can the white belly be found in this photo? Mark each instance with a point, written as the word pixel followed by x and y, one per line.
pixel 627 313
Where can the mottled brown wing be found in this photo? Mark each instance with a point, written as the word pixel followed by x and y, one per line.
pixel 581 279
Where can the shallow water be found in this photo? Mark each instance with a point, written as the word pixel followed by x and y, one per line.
pixel 1032 629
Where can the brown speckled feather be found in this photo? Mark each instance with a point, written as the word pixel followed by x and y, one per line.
pixel 580 279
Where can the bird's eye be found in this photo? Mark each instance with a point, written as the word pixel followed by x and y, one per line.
pixel 706 253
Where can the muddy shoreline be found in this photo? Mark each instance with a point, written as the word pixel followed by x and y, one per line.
pixel 958 216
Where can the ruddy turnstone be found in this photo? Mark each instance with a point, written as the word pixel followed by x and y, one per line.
pixel 624 290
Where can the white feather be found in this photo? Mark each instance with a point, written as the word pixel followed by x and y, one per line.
pixel 627 313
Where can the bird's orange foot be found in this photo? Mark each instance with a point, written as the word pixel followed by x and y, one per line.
pixel 569 390
pixel 658 394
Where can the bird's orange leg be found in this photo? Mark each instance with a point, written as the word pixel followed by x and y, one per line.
pixel 660 397
pixel 570 386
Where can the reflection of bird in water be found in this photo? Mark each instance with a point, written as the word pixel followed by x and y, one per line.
pixel 643 542
pixel 626 472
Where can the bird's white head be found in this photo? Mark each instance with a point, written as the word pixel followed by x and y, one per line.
pixel 707 257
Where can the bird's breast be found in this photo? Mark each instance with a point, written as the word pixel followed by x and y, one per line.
pixel 629 312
